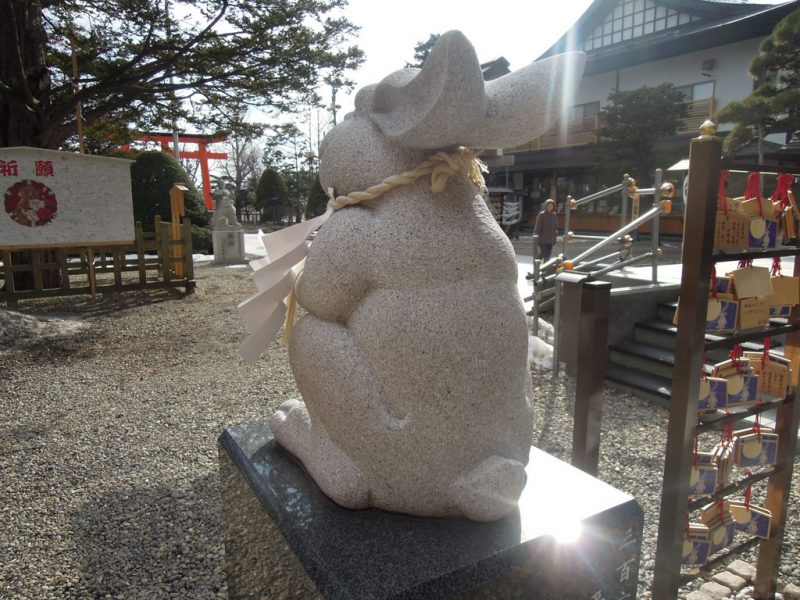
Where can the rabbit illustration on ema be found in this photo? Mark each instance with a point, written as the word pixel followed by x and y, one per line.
pixel 411 357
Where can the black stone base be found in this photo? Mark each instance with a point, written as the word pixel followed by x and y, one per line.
pixel 285 539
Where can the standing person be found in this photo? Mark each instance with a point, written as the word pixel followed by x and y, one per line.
pixel 547 229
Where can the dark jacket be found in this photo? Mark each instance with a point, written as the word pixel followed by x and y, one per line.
pixel 546 227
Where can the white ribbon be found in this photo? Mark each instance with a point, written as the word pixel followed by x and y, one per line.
pixel 274 276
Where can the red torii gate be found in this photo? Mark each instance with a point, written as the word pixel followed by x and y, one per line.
pixel 202 154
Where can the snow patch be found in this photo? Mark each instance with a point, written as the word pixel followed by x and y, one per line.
pixel 540 349
pixel 540 353
pixel 18 330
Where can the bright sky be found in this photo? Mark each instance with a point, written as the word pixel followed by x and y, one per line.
pixel 519 30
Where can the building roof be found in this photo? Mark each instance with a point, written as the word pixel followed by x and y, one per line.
pixel 693 25
pixel 495 68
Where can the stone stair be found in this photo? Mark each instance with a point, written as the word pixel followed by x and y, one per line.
pixel 644 366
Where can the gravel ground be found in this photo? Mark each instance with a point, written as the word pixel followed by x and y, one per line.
pixel 108 473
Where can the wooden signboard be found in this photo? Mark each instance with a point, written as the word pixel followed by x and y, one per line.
pixel 53 198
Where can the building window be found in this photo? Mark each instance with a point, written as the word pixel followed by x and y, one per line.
pixel 759 81
pixel 697 91
pixel 585 111
pixel 634 18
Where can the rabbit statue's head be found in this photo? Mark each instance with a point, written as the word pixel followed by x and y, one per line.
pixel 413 113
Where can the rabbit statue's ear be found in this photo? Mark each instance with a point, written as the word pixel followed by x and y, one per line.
pixel 446 103
pixel 524 104
pixel 434 106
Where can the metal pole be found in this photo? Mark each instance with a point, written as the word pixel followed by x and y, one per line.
pixel 655 232
pixel 568 209
pixel 654 251
pixel 333 103
pixel 551 291
pixel 176 151
pixel 556 328
pixel 614 236
pixel 624 211
pixel 588 237
pixel 536 265
pixel 614 255
pixel 76 89
pixel 600 194
pixel 620 264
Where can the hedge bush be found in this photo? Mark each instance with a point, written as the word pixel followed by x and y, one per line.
pixel 152 176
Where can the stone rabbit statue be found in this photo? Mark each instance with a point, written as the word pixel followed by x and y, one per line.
pixel 412 355
pixel 225 215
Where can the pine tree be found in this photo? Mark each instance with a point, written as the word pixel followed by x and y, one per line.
pixel 139 67
pixel 317 200
pixel 774 106
pixel 421 51
pixel 152 176
pixel 629 127
pixel 272 196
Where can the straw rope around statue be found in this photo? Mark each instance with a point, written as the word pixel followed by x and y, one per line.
pixel 286 249
pixel 440 167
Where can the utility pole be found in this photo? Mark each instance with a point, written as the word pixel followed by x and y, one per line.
pixel 333 103
pixel 76 88
pixel 176 151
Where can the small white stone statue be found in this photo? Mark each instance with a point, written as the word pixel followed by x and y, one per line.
pixel 412 355
pixel 225 214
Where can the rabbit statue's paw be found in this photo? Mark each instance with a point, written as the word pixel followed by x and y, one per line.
pixel 337 476
pixel 491 490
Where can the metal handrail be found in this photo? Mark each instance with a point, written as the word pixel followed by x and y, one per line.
pixel 597 195
pixel 622 263
pixel 572 204
pixel 583 236
pixel 580 262
pixel 635 224
pixel 618 254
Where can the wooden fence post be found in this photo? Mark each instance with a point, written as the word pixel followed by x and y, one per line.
pixel 63 265
pixel 701 208
pixel 187 253
pixel 177 204
pixel 164 239
pixel 8 274
pixel 159 246
pixel 590 379
pixel 140 253
pixel 118 254
pixel 36 267
pixel 91 273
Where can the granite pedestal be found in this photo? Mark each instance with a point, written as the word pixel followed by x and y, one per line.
pixel 228 244
pixel 572 536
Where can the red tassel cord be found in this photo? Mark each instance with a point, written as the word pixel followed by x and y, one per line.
pixel 775 270
pixel 757 425
pixel 782 188
pixel 727 433
pixel 721 195
pixel 735 354
pixel 765 354
pixel 753 190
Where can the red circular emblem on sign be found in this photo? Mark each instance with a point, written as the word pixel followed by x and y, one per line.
pixel 31 203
